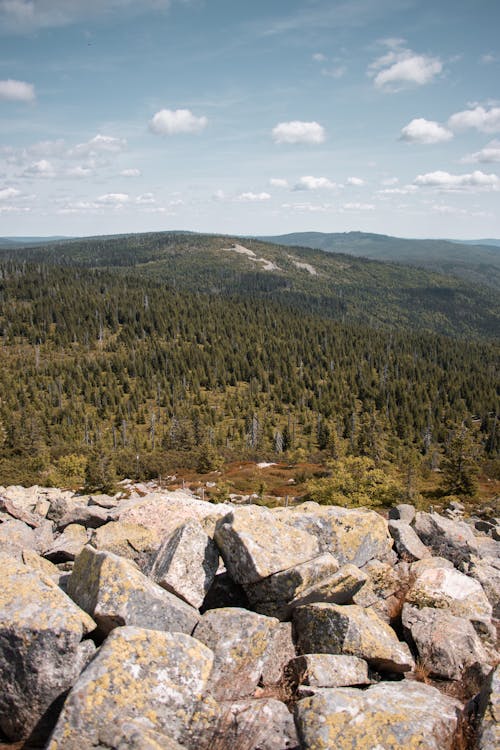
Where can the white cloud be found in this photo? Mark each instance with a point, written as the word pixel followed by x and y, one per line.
pixel 27 15
pixel 336 72
pixel 307 207
pixel 99 144
pixel 79 171
pixel 356 181
pixel 489 58
pixel 390 181
pixel 314 183
pixel 114 199
pixel 425 131
pixel 405 190
pixel 490 153
pixel 297 131
pixel 278 182
pixel 253 197
pixel 401 68
pixel 175 121
pixel 41 168
pixel 7 194
pixel 17 91
pixel 145 198
pixel 219 195
pixel 445 181
pixel 358 206
pixel 484 120
pixel 319 57
pixel 130 172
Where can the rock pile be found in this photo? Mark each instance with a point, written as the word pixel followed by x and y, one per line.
pixel 165 622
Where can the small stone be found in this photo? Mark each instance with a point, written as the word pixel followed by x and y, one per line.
pixel 402 512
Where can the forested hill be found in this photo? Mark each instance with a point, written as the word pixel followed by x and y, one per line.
pixel 108 361
pixel 471 261
pixel 334 285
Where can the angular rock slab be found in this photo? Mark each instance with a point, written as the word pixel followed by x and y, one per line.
pixel 383 590
pixel 255 544
pixel 446 645
pixel 280 650
pixel 387 716
pixel 68 545
pixel 115 592
pixel 351 535
pixel 264 724
pixel 186 563
pixel 406 542
pixel 487 572
pixel 41 647
pixel 402 512
pixel 159 677
pixel 351 630
pixel 130 540
pixel 488 733
pixel 449 589
pixel 453 540
pixel 329 670
pixel 239 640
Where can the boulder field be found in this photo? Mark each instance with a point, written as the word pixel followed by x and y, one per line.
pixel 161 621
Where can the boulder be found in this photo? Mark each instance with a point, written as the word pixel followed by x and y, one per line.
pixel 351 630
pixel 239 640
pixel 16 534
pixel 264 724
pixel 186 563
pixel 449 589
pixel 280 650
pixel 428 563
pixel 350 535
pixel 9 507
pixel 159 678
pixel 68 545
pixel 90 516
pixel 40 564
pixel 382 592
pixel 447 645
pixel 487 572
pixel 317 580
pixel 447 538
pixel 115 592
pixel 328 670
pixel 488 723
pixel 130 540
pixel 254 544
pixel 41 648
pixel 406 542
pixel 388 716
pixel 402 512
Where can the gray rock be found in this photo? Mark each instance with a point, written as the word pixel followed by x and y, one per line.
pixel 90 516
pixel 41 648
pixel 116 593
pixel 402 512
pixel 264 724
pixel 16 534
pixel 280 650
pixel 383 591
pixel 9 507
pixel 451 590
pixel 239 640
pixel 351 535
pixel 351 630
pixel 388 716
pixel 447 645
pixel 68 545
pixel 186 563
pixel 453 540
pixel 137 674
pixel 329 670
pixel 406 542
pixel 130 540
pixel 487 572
pixel 488 733
pixel 255 544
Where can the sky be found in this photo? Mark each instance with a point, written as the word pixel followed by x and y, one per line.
pixel 233 117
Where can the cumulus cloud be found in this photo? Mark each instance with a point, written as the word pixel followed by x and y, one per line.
pixel 130 172
pixel 314 183
pixel 175 121
pixel 401 68
pixel 27 15
pixel 319 57
pixel 479 118
pixel 356 181
pixel 278 182
pixel 358 207
pixel 253 197
pixel 113 199
pixel 17 91
pixel 145 199
pixel 99 144
pixel 425 131
pixel 7 194
pixel 475 181
pixel 297 131
pixel 41 168
pixel 490 153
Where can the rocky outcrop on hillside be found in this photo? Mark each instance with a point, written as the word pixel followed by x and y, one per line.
pixel 164 622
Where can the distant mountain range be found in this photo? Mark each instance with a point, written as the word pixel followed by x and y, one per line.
pixel 479 263
pixel 22 241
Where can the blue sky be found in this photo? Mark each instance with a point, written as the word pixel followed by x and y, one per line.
pixel 261 118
